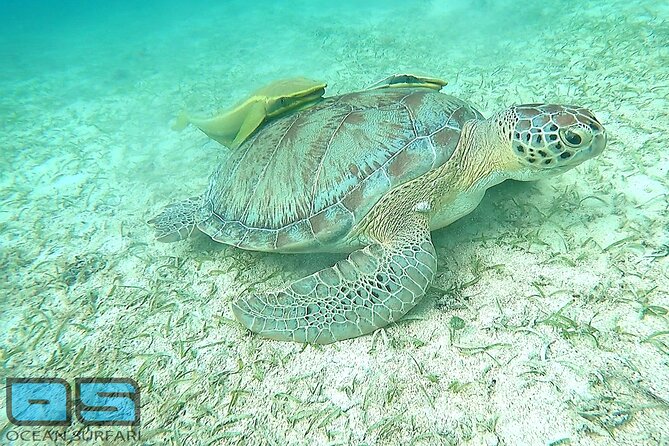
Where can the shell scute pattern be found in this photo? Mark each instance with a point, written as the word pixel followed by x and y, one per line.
pixel 352 150
pixel 332 223
pixel 227 232
pixel 296 235
pixel 353 143
pixel 258 237
pixel 418 154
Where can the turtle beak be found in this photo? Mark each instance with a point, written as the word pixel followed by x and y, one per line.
pixel 598 143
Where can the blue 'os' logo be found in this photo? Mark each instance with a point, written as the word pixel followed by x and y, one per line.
pixel 47 401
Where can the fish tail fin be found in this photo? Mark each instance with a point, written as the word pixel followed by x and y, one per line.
pixel 181 122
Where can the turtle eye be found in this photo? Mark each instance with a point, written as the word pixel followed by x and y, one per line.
pixel 574 137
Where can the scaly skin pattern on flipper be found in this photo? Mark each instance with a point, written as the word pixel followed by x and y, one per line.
pixel 177 221
pixel 372 288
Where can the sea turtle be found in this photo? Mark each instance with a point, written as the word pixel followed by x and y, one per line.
pixel 232 127
pixel 371 173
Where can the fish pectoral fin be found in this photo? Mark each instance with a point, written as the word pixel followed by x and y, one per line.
pixel 255 116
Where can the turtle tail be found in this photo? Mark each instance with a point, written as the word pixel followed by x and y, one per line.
pixel 177 221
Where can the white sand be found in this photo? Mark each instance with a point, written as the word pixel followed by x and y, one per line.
pixel 562 285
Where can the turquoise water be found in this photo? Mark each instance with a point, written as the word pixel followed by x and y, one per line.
pixel 547 320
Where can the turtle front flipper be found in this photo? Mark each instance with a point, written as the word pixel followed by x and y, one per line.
pixel 177 221
pixel 375 286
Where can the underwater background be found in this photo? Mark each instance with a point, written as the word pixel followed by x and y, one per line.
pixel 548 322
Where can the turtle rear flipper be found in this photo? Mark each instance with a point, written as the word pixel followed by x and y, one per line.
pixel 374 287
pixel 177 221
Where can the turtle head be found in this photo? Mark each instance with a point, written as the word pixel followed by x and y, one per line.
pixel 549 139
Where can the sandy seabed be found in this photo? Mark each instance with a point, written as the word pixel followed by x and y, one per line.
pixel 548 323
